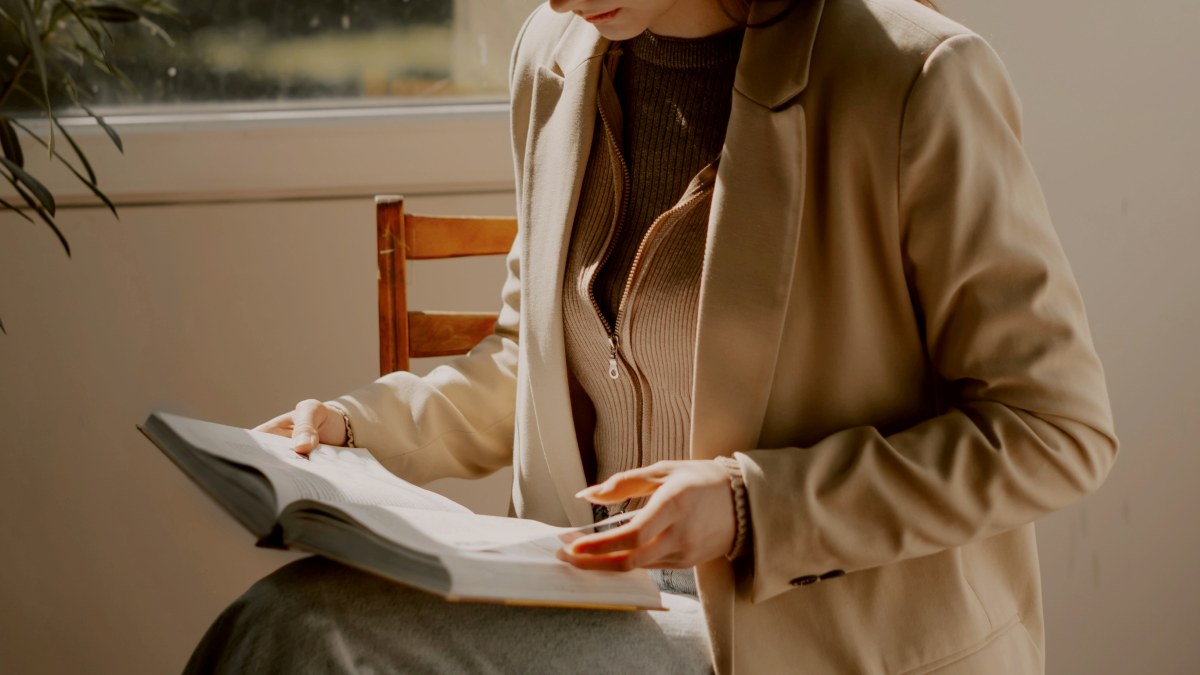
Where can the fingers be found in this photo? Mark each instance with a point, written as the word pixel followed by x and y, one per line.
pixel 306 419
pixel 658 549
pixel 309 425
pixel 280 426
pixel 688 519
pixel 627 485
pixel 637 533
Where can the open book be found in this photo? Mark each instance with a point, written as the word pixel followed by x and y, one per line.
pixel 343 504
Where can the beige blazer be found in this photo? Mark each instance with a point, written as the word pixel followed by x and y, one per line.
pixel 889 339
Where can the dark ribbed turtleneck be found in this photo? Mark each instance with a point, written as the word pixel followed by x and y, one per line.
pixel 712 51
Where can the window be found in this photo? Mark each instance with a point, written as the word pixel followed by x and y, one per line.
pixel 263 54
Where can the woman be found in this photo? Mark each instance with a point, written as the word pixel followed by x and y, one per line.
pixel 832 303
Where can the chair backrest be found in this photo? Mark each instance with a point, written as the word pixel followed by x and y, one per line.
pixel 400 236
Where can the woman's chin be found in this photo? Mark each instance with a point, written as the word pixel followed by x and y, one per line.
pixel 616 31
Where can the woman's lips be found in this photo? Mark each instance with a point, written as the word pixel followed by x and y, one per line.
pixel 605 16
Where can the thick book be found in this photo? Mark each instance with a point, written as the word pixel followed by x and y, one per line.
pixel 343 504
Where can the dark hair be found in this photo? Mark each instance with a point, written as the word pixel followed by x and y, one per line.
pixel 743 10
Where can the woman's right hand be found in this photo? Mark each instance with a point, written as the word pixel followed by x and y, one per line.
pixel 312 422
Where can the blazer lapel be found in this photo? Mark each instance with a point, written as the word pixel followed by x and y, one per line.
pixel 753 234
pixel 563 120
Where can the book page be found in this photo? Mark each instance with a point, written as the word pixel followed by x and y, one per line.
pixel 486 558
pixel 510 559
pixel 460 533
pixel 329 474
pixel 470 535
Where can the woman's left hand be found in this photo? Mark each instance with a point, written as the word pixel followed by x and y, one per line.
pixel 689 518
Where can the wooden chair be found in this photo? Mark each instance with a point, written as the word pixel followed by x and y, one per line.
pixel 405 334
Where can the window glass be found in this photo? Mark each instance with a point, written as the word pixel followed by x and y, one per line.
pixel 295 53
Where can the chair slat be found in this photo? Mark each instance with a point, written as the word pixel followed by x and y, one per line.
pixel 446 333
pixel 391 276
pixel 452 237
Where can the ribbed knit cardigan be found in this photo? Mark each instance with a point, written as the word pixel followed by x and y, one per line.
pixel 632 282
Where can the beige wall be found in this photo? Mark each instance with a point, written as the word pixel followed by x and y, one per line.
pixel 232 308
pixel 113 562
pixel 1111 93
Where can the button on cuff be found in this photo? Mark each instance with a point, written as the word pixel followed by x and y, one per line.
pixel 809 579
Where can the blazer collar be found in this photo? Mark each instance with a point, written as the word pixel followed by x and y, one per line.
pixel 774 64
pixel 580 44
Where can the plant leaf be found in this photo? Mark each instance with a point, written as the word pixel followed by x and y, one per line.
pixel 69 87
pixel 37 208
pixel 35 186
pixel 68 53
pixel 15 209
pixel 91 186
pixel 9 142
pixel 97 191
pixel 112 133
pixel 95 59
pixel 119 75
pixel 110 13
pixel 87 25
pixel 90 179
pixel 39 58
pixel 87 166
pixel 57 12
pixel 159 8
pixel 157 31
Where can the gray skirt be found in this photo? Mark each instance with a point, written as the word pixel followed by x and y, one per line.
pixel 318 616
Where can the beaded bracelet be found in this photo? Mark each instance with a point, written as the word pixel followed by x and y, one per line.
pixel 345 419
pixel 741 539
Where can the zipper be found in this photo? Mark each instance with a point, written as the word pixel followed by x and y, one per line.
pixel 612 330
pixel 651 233
pixel 614 348
pixel 614 342
pixel 614 335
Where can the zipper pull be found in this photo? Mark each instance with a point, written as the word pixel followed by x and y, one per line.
pixel 614 343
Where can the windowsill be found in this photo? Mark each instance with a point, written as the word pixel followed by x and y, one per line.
pixel 214 155
pixel 317 113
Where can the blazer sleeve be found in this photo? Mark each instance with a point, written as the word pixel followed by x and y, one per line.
pixel 457 421
pixel 1027 428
